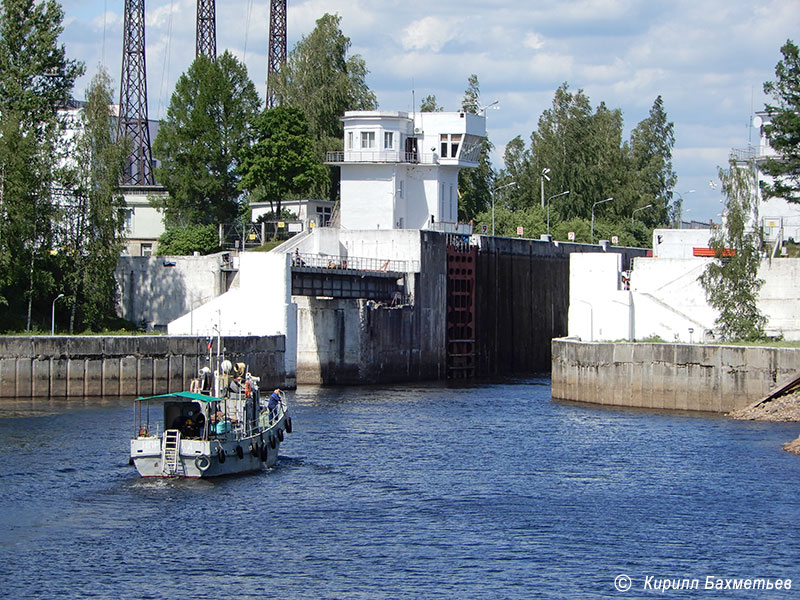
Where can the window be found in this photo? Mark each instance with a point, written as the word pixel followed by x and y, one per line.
pixel 147 249
pixel 455 141
pixel 367 139
pixel 129 219
pixel 400 189
pixel 388 140
pixel 349 140
pixel 449 144
pixel 443 140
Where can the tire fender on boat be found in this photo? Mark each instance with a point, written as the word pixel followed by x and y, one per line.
pixel 264 453
pixel 221 455
pixel 288 423
pixel 202 462
pixel 272 442
pixel 253 449
pixel 280 435
pixel 239 452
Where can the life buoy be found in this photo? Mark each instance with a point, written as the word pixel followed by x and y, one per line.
pixel 248 388
pixel 221 455
pixel 143 432
pixel 280 435
pixel 288 423
pixel 239 452
pixel 202 462
pixel 272 442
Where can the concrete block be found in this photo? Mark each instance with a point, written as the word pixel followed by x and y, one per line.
pixel 622 353
pixel 161 375
pixel 8 377
pixel 94 377
pixel 128 384
pixel 84 346
pixel 24 376
pixel 47 346
pixel 146 376
pixel 16 347
pixel 176 376
pixel 40 379
pixel 76 372
pixel 111 375
pixel 121 345
pixel 58 377
pixel 152 345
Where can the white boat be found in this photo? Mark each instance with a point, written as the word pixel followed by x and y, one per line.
pixel 222 426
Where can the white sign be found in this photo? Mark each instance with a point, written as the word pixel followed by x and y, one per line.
pixel 614 239
pixel 571 236
pixel 519 230
pixel 484 228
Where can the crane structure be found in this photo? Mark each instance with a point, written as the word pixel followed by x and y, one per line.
pixel 206 40
pixel 277 46
pixel 133 122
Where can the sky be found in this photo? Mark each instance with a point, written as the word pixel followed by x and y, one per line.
pixel 708 59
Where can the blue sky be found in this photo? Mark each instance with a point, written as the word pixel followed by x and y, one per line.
pixel 708 59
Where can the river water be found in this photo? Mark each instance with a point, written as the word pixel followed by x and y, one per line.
pixel 434 491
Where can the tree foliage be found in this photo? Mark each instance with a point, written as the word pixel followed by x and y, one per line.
pixel 184 241
pixel 784 130
pixel 282 161
pixel 93 217
pixel 475 184
pixel 35 81
pixel 430 104
pixel 199 144
pixel 731 281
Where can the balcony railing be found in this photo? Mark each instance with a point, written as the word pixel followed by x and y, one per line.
pixel 380 156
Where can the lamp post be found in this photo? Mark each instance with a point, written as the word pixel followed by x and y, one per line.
pixel 53 315
pixel 680 208
pixel 494 106
pixel 638 209
pixel 548 208
pixel 545 171
pixel 494 191
pixel 593 205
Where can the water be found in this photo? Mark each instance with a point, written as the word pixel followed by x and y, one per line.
pixel 490 491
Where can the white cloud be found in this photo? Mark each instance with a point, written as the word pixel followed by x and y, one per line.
pixel 534 41
pixel 430 33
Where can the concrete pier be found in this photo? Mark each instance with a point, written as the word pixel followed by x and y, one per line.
pixel 80 366
pixel 672 376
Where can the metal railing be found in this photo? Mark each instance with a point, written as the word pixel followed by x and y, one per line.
pixel 380 156
pixel 354 263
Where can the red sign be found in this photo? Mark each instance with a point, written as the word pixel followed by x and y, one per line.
pixel 519 230
pixel 571 236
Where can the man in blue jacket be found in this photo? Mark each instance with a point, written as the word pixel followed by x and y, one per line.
pixel 272 405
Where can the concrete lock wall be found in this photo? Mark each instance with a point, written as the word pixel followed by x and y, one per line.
pixel 80 366
pixel 672 376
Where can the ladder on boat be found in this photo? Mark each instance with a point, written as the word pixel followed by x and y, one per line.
pixel 170 452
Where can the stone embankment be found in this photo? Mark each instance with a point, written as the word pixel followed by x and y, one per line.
pixel 782 409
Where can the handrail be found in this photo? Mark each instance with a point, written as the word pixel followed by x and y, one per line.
pixel 354 263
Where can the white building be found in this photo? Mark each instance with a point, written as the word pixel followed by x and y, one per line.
pixel 310 212
pixel 401 172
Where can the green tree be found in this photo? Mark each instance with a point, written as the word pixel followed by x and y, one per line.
pixel 429 104
pixel 94 217
pixel 731 281
pixel 282 161
pixel 320 79
pixel 651 164
pixel 35 81
pixel 475 184
pixel 199 144
pixel 784 130
pixel 183 241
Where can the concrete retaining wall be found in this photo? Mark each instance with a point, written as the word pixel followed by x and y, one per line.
pixel 674 376
pixel 69 366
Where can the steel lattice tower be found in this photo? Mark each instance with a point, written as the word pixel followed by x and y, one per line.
pixel 206 44
pixel 133 98
pixel 277 45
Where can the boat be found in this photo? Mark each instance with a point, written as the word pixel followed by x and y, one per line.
pixel 222 426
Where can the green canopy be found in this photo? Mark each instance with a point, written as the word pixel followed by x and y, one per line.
pixel 186 396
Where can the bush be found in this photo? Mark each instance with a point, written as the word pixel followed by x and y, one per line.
pixel 182 241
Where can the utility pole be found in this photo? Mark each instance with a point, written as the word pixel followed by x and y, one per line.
pixel 277 46
pixel 206 39
pixel 133 99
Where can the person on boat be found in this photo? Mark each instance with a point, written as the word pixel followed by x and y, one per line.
pixel 272 405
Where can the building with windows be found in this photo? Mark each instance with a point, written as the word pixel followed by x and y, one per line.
pixel 400 171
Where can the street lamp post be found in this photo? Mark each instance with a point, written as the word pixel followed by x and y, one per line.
pixel 638 209
pixel 680 209
pixel 593 205
pixel 548 208
pixel 53 315
pixel 545 171
pixel 493 193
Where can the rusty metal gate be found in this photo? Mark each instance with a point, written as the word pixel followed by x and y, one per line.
pixel 461 260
